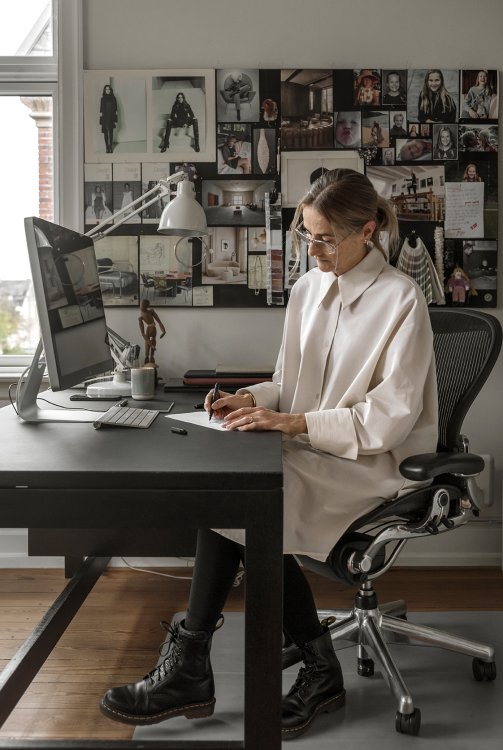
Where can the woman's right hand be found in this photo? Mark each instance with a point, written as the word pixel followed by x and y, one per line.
pixel 226 403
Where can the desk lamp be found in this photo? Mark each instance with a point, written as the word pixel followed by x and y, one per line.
pixel 182 217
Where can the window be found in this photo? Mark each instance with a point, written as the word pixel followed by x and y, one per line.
pixel 28 95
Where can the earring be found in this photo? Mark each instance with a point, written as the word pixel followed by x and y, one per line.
pixel 368 245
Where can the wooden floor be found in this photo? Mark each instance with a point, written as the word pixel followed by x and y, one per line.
pixel 114 637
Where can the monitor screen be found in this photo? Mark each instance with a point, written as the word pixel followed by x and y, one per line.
pixel 69 303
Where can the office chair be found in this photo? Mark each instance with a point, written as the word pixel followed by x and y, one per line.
pixel 466 344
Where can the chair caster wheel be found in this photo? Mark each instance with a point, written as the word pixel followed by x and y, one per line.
pixel 484 671
pixel 408 723
pixel 365 667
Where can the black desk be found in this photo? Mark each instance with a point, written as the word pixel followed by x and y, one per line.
pixel 123 482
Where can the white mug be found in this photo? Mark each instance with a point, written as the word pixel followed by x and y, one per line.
pixel 142 383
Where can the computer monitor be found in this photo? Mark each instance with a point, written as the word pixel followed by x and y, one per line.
pixel 71 315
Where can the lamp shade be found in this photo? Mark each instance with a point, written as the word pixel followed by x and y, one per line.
pixel 183 216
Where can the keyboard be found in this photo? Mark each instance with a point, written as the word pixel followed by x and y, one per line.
pixel 126 416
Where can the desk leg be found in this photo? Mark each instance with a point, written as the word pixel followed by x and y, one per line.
pixel 264 625
pixel 24 665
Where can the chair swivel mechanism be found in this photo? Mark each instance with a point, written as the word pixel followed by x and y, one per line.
pixel 466 344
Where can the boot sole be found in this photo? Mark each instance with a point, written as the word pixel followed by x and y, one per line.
pixel 326 707
pixel 190 711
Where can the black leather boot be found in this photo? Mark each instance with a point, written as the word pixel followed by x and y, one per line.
pixel 195 127
pixel 182 685
pixel 317 689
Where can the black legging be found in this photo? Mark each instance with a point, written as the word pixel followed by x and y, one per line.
pixel 216 565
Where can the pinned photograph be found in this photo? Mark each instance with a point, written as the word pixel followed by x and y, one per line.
pixel 307 120
pixel 367 87
pixel 417 193
pixel 238 97
pixel 477 138
pixel 375 128
pixel 117 259
pixel 445 142
pixel 127 187
pixel 414 149
pixel 398 124
pixel 348 129
pixel 235 202
pixel 394 87
pixel 264 151
pixel 165 280
pixel 234 149
pixel 98 202
pixel 433 95
pixel 226 258
pixel 479 94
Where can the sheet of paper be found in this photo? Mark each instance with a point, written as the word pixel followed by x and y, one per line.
pixel 200 418
pixel 464 209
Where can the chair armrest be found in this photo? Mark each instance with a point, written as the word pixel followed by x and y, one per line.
pixel 430 465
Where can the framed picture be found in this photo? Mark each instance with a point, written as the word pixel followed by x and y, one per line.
pixel 149 115
pixel 299 169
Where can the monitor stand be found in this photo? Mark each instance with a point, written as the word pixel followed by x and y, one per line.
pixel 27 393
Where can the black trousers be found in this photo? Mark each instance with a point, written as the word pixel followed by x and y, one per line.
pixel 217 562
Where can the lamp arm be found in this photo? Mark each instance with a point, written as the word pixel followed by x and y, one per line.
pixel 160 190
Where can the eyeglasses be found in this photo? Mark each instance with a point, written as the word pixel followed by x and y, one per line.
pixel 321 245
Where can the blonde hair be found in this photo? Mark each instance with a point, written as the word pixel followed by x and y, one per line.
pixel 426 97
pixel 348 200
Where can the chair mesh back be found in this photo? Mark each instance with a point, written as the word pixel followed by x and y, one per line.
pixel 466 343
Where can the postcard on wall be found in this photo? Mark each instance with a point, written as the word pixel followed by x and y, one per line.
pixel 300 169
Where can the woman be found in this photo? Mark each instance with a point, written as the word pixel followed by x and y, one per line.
pixel 353 394
pixel 435 103
pixel 445 147
pixel 181 116
pixel 478 100
pixel 98 202
pixel 489 139
pixel 470 174
pixel 108 117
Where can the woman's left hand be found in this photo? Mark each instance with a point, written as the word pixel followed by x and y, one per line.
pixel 253 419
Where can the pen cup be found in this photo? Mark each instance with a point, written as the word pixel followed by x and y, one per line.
pixel 142 383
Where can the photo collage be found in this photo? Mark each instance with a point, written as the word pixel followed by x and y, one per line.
pixel 252 141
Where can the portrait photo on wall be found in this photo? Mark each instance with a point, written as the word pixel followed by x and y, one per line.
pixel 235 202
pixel 234 148
pixel 307 120
pixel 127 187
pixel 367 87
pixel 394 88
pixel 433 95
pixel 98 201
pixel 479 94
pixel 348 129
pixel 398 124
pixel 238 95
pixel 115 112
pixel 180 124
pixel 375 128
pixel 445 141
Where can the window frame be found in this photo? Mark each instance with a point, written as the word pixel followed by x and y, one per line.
pixel 37 76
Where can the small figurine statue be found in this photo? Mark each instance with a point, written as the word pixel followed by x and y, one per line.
pixel 148 321
pixel 458 285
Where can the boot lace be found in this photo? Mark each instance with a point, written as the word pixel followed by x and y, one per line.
pixel 171 649
pixel 305 678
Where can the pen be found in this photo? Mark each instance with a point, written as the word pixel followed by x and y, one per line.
pixel 214 397
pixel 178 430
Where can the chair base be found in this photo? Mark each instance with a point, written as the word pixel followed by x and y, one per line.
pixel 372 627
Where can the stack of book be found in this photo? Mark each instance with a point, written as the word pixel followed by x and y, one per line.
pixel 228 376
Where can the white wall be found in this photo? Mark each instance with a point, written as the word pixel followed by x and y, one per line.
pixel 133 34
